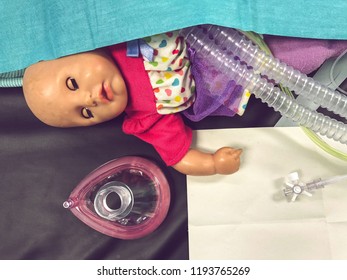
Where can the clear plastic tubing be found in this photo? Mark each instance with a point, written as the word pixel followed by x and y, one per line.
pixel 333 180
pixel 230 41
pixel 200 41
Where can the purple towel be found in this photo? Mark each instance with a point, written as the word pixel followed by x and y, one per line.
pixel 306 55
pixel 217 94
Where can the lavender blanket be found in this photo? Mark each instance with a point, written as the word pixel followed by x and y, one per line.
pixel 305 55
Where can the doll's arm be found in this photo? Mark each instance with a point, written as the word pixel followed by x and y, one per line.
pixel 226 160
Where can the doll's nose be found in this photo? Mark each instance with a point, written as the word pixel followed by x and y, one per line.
pixel 91 100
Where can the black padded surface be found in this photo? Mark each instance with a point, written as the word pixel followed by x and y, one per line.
pixel 41 165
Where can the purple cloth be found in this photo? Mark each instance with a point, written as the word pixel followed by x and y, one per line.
pixel 216 93
pixel 305 55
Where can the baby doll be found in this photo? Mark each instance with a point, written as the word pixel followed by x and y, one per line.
pixel 93 87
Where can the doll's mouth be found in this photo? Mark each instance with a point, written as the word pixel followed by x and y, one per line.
pixel 106 94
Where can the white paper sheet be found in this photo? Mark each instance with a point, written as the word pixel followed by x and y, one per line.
pixel 246 215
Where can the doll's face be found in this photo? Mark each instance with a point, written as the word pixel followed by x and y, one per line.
pixel 77 90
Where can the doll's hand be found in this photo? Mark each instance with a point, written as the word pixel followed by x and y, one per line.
pixel 227 160
pixel 224 161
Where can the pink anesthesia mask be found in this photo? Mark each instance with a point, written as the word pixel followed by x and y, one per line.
pixel 126 198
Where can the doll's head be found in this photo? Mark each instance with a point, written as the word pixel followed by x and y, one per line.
pixel 77 90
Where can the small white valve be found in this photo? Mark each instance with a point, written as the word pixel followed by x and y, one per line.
pixel 295 187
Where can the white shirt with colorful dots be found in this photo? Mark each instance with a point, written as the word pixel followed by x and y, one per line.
pixel 170 74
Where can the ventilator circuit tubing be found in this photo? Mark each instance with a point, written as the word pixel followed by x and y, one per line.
pixel 231 41
pixel 207 45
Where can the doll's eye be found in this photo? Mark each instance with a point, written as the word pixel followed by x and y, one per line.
pixel 86 113
pixel 71 84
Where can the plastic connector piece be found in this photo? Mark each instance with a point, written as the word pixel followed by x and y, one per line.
pixel 294 187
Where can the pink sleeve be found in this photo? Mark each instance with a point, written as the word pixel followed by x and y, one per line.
pixel 167 133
